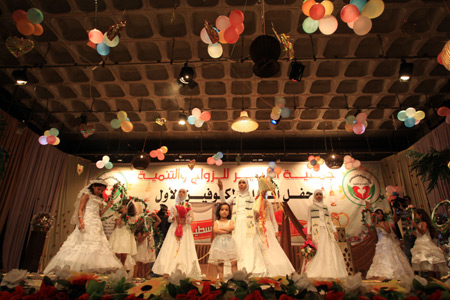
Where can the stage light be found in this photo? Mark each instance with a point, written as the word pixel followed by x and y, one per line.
pixel 244 123
pixel 182 119
pixel 406 70
pixel 140 160
pixel 334 160
pixel 275 122
pixel 20 77
pixel 186 76
pixel 296 71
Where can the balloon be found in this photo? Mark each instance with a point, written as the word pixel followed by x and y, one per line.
pixel 350 24
pixel 348 158
pixel 122 116
pixel 240 28
pixel 321 161
pixel 274 116
pixel 271 174
pixel 272 165
pixel 35 16
pixel 350 120
pixel 401 116
pixel 57 141
pixel 126 126
pixel 19 14
pixel 285 112
pixel 373 9
pixel 153 154
pixel 328 7
pixel 210 161
pixel 439 59
pixel 365 124
pixel 115 123
pixel 219 162
pixel 348 128
pixel 359 4
pixel 316 168
pixel 198 123
pixel 205 116
pixel 110 43
pixel 109 165
pixel 95 36
pixel 309 25
pixel 43 140
pixel 356 164
pixel 215 50
pixel 389 189
pixel 276 110
pixel 164 149
pixel 161 156
pixel 100 164
pixel 410 122
pixel 25 27
pixel 196 112
pixel 53 131
pixel 362 25
pixel 410 111
pixel 317 11
pixel 349 13
pixel 105 158
pixel 307 6
pixel 222 22
pixel 204 36
pixel 277 170
pixel 231 35
pixel 236 17
pixel 103 49
pixel 158 152
pixel 191 119
pixel 47 133
pixel 359 128
pixel 280 101
pixel 219 154
pixel 416 122
pixel 311 157
pixel 38 30
pixel 309 166
pixel 349 165
pixel 419 115
pixel 221 37
pixel 328 25
pixel 443 111
pixel 361 117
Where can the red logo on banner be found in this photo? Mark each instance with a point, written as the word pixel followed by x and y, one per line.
pixel 202 229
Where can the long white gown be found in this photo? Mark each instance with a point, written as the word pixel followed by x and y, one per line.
pixel 87 250
pixel 176 254
pixel 389 261
pixel 426 256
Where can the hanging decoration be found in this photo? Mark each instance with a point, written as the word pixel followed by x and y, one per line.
pixel 285 40
pixel 215 159
pixel 392 192
pixel 359 14
pixel 19 46
pixel 50 137
pixel 28 22
pixel 356 124
pixel 273 170
pixel 351 163
pixel 319 17
pixel 444 111
pixel 279 110
pixel 86 130
pixel 122 121
pixel 105 162
pixel 191 164
pixel 161 121
pixel 80 169
pixel 314 162
pixel 410 116
pixel 159 153
pixel 198 117
pixel 444 57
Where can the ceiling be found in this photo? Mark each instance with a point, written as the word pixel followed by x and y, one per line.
pixel 345 74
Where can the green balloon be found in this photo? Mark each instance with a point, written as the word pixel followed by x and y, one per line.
pixel 309 25
pixel 115 123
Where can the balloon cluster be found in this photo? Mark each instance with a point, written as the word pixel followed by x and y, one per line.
pixel 393 192
pixel 122 121
pixel 227 31
pixel 443 57
pixel 314 162
pixel 50 137
pixel 319 16
pixel 215 159
pixel 159 153
pixel 444 111
pixel 102 42
pixel 279 110
pixel 358 14
pixel 410 116
pixel 356 124
pixel 351 163
pixel 27 22
pixel 198 117
pixel 273 170
pixel 104 163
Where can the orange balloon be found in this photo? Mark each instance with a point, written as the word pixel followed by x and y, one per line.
pixel 222 38
pixel 127 126
pixel 38 29
pixel 25 27
pixel 307 6
pixel 277 170
pixel 316 168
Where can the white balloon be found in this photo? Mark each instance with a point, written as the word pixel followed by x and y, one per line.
pixel 204 36
pixel 110 43
pixel 215 50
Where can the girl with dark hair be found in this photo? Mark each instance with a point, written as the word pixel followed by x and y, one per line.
pixel 426 256
pixel 122 240
pixel 389 262
pixel 223 248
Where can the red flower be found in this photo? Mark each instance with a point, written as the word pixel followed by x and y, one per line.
pixel 256 295
pixel 85 296
pixel 437 295
pixel 62 296
pixel 412 298
pixel 34 296
pixel 378 298
pixel 106 297
pixel 47 291
pixel 332 295
pixel 191 295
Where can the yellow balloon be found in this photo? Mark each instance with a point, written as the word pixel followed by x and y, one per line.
pixel 127 126
pixel 122 116
pixel 276 110
pixel 57 141
pixel 373 9
pixel 419 115
pixel 328 7
pixel 47 132
pixel 164 149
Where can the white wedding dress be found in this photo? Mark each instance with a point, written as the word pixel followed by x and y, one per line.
pixel 87 250
pixel 390 261
pixel 426 256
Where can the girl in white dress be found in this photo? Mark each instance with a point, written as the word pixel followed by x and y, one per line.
pixel 178 250
pixel 145 246
pixel 426 256
pixel 223 248
pixel 86 248
pixel 328 261
pixel 389 262
pixel 122 240
pixel 250 256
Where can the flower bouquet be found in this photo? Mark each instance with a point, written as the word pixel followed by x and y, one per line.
pixel 308 250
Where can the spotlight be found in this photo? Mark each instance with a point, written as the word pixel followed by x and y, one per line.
pixel 296 71
pixel 182 119
pixel 186 76
pixel 406 70
pixel 275 122
pixel 334 160
pixel 140 161
pixel 20 77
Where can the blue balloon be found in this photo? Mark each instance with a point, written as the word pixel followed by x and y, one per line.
pixel 191 119
pixel 285 112
pixel 410 122
pixel 220 155
pixel 103 49
pixel 359 4
pixel 272 165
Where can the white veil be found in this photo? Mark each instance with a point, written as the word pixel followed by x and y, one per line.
pixel 75 220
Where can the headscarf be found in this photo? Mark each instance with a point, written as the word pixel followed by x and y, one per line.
pixel 318 203
pixel 178 199
pixel 75 220
pixel 245 192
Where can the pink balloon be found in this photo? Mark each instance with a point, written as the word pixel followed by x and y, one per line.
pixel 96 36
pixel 204 36
pixel 231 35
pixel 51 139
pixel 359 128
pixel 348 159
pixel 317 11
pixel 356 164
pixel 240 28
pixel 43 140
pixel 196 112
pixel 349 165
pixel 161 156
pixel 362 25
pixel 210 161
pixel 205 116
pixel 153 154
pixel 219 162
pixel 159 152
pixel 100 164
pixel 236 17
pixel 328 25
pixel 361 117
pixel 349 13
pixel 222 22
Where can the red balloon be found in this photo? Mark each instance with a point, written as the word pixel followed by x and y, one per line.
pixel 443 111
pixel 25 27
pixel 439 58
pixel 236 17
pixel 317 11
pixel 153 154
pixel 51 139
pixel 38 29
pixel 231 35
pixel 349 13
pixel 19 14
pixel 240 28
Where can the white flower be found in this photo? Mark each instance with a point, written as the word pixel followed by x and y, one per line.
pixel 302 282
pixel 118 275
pixel 176 276
pixel 241 275
pixel 63 273
pixel 352 283
pixel 14 277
